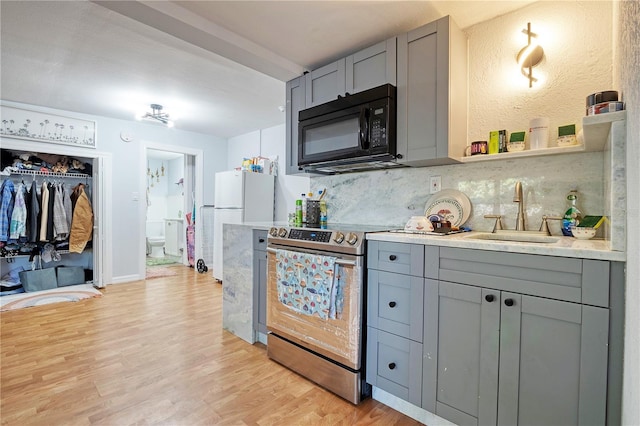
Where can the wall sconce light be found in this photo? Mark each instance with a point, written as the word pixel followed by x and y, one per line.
pixel 156 115
pixel 530 55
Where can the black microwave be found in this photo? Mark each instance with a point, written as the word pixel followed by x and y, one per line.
pixel 352 133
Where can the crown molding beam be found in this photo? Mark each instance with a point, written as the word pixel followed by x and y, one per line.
pixel 173 19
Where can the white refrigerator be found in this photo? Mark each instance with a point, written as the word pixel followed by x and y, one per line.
pixel 239 197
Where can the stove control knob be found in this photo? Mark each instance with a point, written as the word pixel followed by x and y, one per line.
pixel 339 238
pixel 282 232
pixel 273 232
pixel 352 238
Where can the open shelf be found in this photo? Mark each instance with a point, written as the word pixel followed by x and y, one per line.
pixel 595 128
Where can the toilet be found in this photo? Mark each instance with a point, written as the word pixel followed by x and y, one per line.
pixel 155 238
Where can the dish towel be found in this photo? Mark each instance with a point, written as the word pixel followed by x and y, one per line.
pixel 306 283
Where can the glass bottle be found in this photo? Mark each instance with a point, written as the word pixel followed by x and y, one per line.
pixel 298 212
pixel 572 215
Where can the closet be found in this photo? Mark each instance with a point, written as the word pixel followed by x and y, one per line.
pixel 29 166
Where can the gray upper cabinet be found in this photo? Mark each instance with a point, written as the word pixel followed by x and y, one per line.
pixel 432 94
pixel 325 83
pixel 366 69
pixel 295 101
pixel 372 67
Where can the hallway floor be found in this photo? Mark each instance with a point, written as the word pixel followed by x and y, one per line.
pixel 154 352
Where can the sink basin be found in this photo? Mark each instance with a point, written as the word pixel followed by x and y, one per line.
pixel 519 236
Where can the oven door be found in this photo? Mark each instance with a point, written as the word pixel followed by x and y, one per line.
pixel 337 339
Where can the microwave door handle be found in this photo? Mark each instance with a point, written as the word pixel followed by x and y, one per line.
pixel 364 128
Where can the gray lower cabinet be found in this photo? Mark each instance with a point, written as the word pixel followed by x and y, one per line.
pixel 432 94
pixel 260 281
pixel 511 359
pixel 507 338
pixel 395 292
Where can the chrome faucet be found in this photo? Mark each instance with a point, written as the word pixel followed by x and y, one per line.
pixel 518 198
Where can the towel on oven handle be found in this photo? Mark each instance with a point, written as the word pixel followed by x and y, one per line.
pixel 307 283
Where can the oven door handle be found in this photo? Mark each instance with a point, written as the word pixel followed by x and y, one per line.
pixel 341 262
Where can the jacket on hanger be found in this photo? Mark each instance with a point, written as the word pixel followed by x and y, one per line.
pixel 82 223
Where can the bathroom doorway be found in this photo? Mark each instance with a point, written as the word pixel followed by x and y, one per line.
pixel 153 156
pixel 165 242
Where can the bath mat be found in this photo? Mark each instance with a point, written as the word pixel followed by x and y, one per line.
pixel 39 298
pixel 158 271
pixel 166 260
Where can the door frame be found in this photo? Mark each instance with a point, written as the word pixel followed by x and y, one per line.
pixel 197 190
pixel 101 199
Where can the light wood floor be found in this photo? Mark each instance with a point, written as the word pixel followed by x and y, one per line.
pixel 154 352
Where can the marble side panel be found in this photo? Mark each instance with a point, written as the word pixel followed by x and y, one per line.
pixel 391 197
pixel 237 282
pixel 615 171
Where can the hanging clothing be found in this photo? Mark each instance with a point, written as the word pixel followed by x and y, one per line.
pixel 7 193
pixel 44 209
pixel 52 196
pixel 66 202
pixel 34 213
pixel 18 227
pixel 60 227
pixel 82 223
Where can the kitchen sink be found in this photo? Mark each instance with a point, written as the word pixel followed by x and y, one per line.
pixel 517 236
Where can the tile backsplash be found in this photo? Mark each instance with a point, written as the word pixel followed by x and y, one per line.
pixel 390 197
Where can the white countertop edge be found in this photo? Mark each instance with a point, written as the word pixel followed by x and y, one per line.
pixel 565 247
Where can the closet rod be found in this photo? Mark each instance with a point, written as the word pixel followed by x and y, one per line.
pixel 51 174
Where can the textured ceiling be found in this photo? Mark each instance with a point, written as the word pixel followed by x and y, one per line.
pixel 218 67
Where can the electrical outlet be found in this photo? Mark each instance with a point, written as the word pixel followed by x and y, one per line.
pixel 435 184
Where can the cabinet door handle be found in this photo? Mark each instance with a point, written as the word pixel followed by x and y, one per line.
pixel 392 366
pixel 392 304
pixel 393 257
pixel 508 302
pixel 261 240
pixel 489 298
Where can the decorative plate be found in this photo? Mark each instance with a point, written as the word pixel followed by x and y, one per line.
pixel 451 205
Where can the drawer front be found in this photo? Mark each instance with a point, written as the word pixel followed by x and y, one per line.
pixel 259 239
pixel 402 258
pixel 546 276
pixel 395 303
pixel 394 364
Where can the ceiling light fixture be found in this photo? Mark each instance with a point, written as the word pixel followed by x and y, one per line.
pixel 156 115
pixel 530 55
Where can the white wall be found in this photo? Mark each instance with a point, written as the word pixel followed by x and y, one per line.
pixel 577 61
pixel 241 147
pixel 270 143
pixel 628 78
pixel 126 182
pixel 288 188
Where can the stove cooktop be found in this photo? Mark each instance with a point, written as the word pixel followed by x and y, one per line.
pixel 341 238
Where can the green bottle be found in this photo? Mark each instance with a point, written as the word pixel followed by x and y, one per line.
pixel 573 215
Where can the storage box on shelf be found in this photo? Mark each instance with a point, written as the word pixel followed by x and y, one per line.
pixel 596 129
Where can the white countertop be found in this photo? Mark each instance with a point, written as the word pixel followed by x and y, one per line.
pixel 564 247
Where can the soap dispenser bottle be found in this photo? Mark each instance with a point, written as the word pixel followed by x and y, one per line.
pixel 572 215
